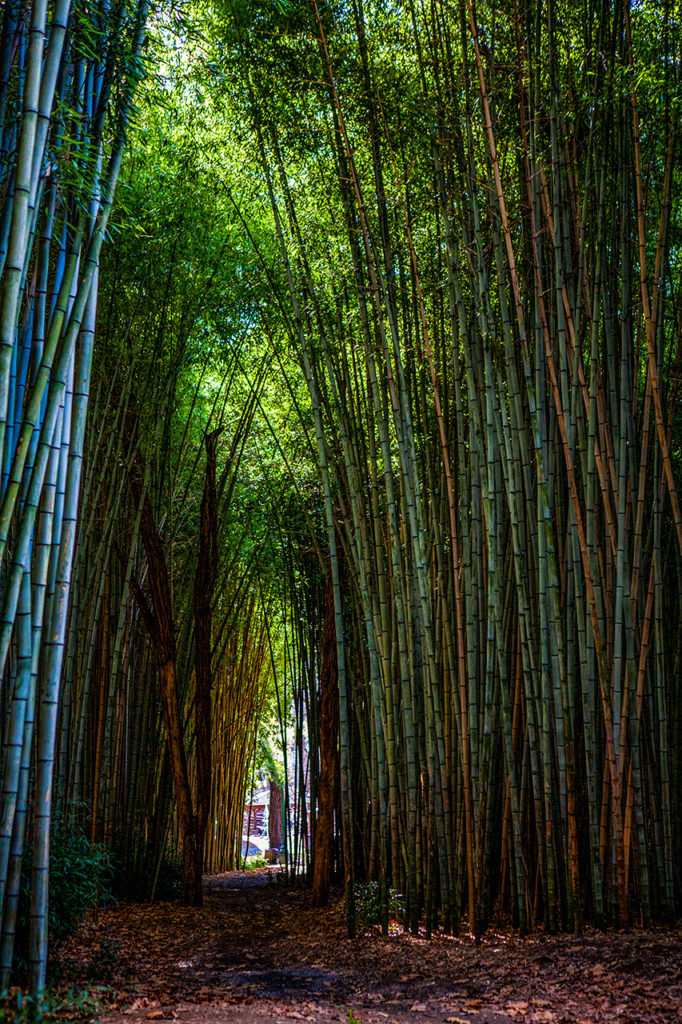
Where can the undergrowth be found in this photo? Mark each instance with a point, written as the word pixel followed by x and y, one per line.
pixel 80 879
pixel 368 909
pixel 253 863
pixel 77 1006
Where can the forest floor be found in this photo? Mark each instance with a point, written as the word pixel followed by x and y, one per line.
pixel 257 952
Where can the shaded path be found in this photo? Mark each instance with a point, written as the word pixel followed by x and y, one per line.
pixel 256 951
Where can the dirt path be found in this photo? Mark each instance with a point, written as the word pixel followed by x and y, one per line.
pixel 257 952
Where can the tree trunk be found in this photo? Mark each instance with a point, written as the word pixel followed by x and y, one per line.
pixel 192 863
pixel 275 815
pixel 161 629
pixel 204 583
pixel 329 731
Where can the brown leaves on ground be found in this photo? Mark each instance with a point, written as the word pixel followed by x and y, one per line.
pixel 258 952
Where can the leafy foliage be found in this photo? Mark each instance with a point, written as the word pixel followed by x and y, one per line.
pixel 368 907
pixel 80 879
pixel 255 862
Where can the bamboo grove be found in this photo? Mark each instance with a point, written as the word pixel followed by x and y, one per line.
pixel 383 447
pixel 169 423
pixel 477 214
pixel 68 75
pixel 134 635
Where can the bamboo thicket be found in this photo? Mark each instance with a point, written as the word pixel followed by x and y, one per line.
pixel 477 226
pixel 67 80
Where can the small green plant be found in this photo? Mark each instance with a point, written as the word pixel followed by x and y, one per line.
pixel 252 863
pixel 352 1019
pixel 368 909
pixel 80 879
